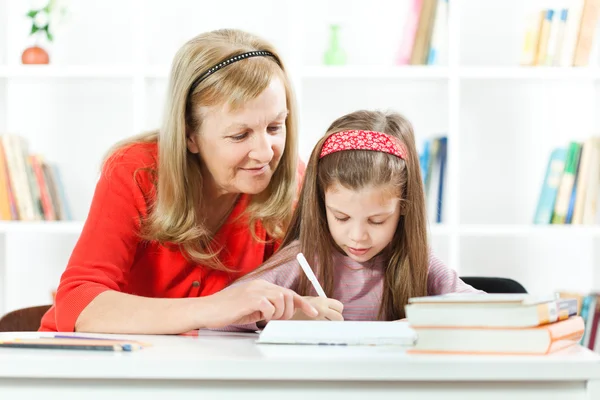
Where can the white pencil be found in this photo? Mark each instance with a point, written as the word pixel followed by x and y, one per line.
pixel 310 274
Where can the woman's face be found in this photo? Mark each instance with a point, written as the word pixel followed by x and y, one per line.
pixel 241 149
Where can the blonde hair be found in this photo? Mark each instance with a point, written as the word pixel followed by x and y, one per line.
pixel 173 216
pixel 407 255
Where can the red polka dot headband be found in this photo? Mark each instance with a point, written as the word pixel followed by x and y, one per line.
pixel 363 140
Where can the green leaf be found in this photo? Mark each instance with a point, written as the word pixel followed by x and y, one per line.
pixel 34 29
pixel 49 35
pixel 32 13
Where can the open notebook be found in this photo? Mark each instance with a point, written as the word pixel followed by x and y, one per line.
pixel 338 333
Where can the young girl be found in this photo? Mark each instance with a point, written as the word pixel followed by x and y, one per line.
pixel 361 223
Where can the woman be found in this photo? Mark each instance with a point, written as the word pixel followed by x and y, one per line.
pixel 180 213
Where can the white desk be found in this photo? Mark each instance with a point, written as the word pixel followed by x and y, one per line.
pixel 227 366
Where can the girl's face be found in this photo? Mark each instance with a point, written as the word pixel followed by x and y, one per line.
pixel 241 149
pixel 362 223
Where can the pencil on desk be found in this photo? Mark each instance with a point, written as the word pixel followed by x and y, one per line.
pixel 55 346
pixel 81 338
pixel 78 344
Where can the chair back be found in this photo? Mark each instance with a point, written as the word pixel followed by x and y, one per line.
pixel 23 320
pixel 494 285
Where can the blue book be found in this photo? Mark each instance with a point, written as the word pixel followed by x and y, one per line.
pixel 424 161
pixel 549 191
pixel 443 151
pixel 569 217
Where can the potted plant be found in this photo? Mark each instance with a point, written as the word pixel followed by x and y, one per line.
pixel 44 15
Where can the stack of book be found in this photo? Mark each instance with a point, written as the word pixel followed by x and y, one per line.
pixel 494 324
pixel 561 37
pixel 571 185
pixel 31 188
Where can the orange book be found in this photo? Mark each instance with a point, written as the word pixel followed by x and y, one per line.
pixel 587 31
pixel 5 206
pixel 541 340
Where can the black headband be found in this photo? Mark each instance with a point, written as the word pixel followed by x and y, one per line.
pixel 230 60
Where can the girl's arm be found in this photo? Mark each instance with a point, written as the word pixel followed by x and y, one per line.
pixel 442 279
pixel 281 269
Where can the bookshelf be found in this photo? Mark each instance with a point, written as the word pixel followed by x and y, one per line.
pixel 108 76
pixel 320 72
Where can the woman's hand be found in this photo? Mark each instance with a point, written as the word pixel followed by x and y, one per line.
pixel 251 302
pixel 328 309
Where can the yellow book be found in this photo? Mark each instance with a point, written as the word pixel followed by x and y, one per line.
pixel 532 30
pixel 424 31
pixel 582 183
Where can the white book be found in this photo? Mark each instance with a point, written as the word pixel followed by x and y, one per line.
pixel 438 51
pixel 487 298
pixel 569 40
pixel 593 185
pixel 529 313
pixel 552 38
pixel 338 333
pixel 555 53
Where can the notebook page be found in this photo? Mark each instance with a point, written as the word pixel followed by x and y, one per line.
pixel 338 333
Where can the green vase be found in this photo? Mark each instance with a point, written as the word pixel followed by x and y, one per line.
pixel 334 55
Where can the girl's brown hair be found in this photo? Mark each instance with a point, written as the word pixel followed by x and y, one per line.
pixel 174 215
pixel 407 266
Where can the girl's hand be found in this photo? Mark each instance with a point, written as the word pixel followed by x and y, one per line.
pixel 328 309
pixel 251 302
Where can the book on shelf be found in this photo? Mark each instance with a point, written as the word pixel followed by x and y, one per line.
pixel 561 37
pixel 494 324
pixel 425 35
pixel 30 187
pixel 567 187
pixel 433 161
pixel 571 185
pixel 589 310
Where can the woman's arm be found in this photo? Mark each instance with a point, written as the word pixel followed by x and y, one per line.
pixel 114 312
